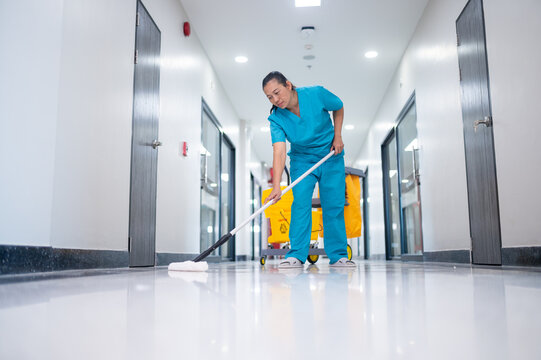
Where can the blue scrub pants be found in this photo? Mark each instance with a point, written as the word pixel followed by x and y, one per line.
pixel 332 189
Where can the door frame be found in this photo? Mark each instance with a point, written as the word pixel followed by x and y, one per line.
pixel 256 184
pixel 386 206
pixel 412 101
pixel 366 233
pixel 231 244
pixel 403 241
pixel 205 108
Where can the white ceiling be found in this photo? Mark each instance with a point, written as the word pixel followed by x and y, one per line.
pixel 268 33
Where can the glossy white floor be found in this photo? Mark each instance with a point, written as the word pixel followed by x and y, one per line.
pixel 382 310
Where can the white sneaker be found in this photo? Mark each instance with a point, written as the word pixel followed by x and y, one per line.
pixel 343 263
pixel 291 263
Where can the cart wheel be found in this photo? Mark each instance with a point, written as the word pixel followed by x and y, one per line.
pixel 263 260
pixel 350 252
pixel 312 259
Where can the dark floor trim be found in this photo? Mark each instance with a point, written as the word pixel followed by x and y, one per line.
pixel 241 258
pixel 167 258
pixel 452 256
pixel 33 259
pixel 406 257
pixel 522 256
pixel 36 259
pixel 377 257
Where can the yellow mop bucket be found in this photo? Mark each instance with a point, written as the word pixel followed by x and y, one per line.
pixel 352 212
pixel 279 215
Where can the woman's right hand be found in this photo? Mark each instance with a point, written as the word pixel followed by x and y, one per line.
pixel 275 195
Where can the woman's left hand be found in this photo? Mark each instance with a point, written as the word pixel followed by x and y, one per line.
pixel 337 145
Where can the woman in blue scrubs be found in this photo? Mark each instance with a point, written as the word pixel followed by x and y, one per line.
pixel 301 115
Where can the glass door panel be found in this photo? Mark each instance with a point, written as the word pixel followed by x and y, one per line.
pixel 210 182
pixel 392 221
pixel 365 202
pixel 255 228
pixel 410 200
pixel 227 178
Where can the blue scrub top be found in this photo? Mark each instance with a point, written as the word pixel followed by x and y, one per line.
pixel 311 135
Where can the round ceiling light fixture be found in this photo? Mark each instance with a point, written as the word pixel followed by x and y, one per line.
pixel 370 54
pixel 241 59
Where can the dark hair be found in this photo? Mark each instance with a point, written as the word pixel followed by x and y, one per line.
pixel 278 76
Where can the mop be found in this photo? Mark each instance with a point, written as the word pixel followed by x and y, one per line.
pixel 198 265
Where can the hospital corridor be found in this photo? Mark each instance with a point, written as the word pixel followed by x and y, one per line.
pixel 236 179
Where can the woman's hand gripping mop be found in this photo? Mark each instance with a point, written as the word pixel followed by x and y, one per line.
pixel 198 265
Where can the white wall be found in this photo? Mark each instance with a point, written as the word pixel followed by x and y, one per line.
pixel 93 135
pixel 514 58
pixel 430 68
pixel 187 76
pixel 69 139
pixel 30 39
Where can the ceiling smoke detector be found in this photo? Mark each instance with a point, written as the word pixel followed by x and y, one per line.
pixel 307 32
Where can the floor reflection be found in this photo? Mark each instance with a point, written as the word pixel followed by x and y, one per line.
pixel 380 310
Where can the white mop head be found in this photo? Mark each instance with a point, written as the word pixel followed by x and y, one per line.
pixel 190 276
pixel 189 266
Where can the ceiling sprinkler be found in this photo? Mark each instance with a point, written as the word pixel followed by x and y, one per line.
pixel 307 32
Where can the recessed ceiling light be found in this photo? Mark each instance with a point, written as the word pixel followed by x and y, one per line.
pixel 241 59
pixel 349 127
pixel 265 129
pixel 307 3
pixel 371 54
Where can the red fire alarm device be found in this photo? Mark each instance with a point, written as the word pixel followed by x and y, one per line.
pixel 187 29
pixel 184 148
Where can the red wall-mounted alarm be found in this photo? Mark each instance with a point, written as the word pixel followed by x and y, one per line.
pixel 187 30
pixel 184 148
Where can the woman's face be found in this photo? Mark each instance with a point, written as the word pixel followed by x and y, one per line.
pixel 278 94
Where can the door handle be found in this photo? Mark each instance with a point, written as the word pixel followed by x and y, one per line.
pixel 487 121
pixel 156 143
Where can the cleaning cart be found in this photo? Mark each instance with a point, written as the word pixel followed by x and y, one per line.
pixel 279 216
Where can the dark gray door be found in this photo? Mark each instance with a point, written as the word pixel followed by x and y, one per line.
pixel 210 180
pixel 255 202
pixel 391 198
pixel 227 196
pixel 145 142
pixel 365 218
pixel 478 137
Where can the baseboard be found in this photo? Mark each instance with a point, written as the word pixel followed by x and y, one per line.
pixel 33 259
pixel 167 258
pixel 451 256
pixel 377 257
pixel 241 258
pixel 163 259
pixel 522 256
pixel 406 257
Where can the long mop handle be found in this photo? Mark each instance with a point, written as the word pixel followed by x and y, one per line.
pixel 229 235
